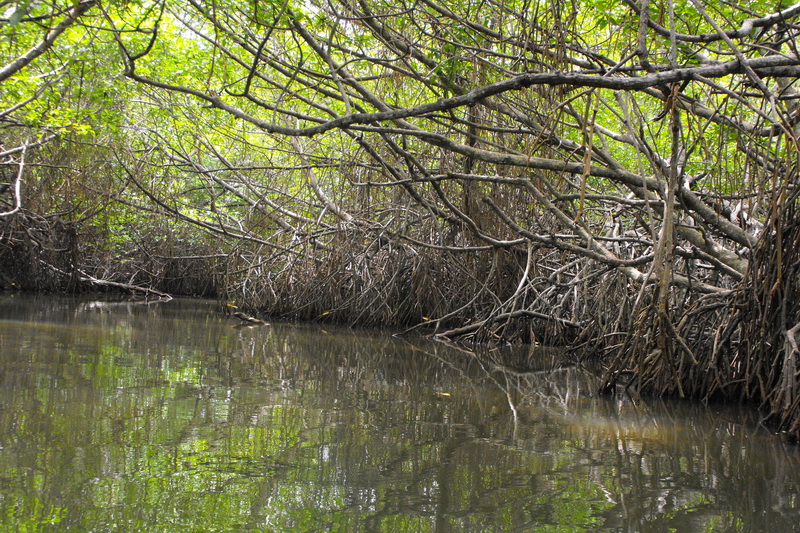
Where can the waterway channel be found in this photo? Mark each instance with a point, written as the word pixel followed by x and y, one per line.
pixel 121 415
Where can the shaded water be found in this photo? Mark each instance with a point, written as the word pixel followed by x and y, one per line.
pixel 121 416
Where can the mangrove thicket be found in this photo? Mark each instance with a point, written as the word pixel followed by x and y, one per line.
pixel 620 176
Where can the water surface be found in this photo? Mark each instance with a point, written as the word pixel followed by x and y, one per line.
pixel 129 416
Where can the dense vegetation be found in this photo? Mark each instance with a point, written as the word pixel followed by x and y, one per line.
pixel 621 176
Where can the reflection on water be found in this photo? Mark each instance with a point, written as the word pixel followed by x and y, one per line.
pixel 118 416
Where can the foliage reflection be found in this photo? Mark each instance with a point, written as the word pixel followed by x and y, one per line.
pixel 121 416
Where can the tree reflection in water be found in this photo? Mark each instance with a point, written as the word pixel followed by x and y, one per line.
pixel 123 416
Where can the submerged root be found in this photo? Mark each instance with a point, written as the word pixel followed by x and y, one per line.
pixel 517 295
pixel 739 347
pixel 49 253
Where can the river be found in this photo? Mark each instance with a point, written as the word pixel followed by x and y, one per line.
pixel 129 416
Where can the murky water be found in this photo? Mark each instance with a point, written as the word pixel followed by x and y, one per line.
pixel 122 416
